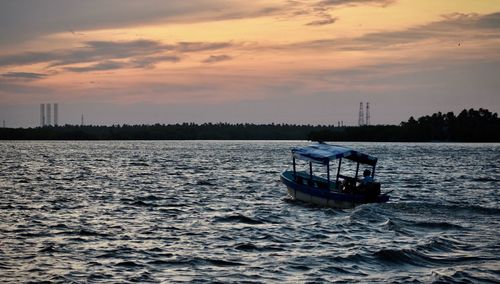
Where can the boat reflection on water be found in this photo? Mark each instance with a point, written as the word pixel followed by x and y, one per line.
pixel 345 190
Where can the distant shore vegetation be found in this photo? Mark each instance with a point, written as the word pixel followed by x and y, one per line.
pixel 468 126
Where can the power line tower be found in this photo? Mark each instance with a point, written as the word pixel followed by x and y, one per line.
pixel 367 113
pixel 361 117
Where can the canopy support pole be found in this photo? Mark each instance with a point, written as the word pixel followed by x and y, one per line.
pixel 357 171
pixel 338 171
pixel 373 171
pixel 311 170
pixel 294 170
pixel 328 174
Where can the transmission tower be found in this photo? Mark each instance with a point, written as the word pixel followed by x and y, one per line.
pixel 361 117
pixel 367 113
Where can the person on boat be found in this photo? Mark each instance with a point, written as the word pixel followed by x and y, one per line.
pixel 367 178
pixel 368 186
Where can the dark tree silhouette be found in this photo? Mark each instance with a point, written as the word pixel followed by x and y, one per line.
pixel 469 126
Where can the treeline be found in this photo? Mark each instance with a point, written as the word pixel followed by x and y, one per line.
pixel 184 131
pixel 469 126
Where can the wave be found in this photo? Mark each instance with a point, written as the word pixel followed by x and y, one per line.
pixel 149 197
pixel 138 164
pixel 238 218
pixel 249 247
pixel 420 258
pixel 35 234
pixel 48 249
pixel 369 212
pixel 403 256
pixel 396 227
pixel 438 225
pixel 89 233
pixel 204 182
pixel 143 203
pixel 485 179
pixel 440 244
pixel 195 261
pixel 349 258
pixel 442 208
pixel 129 264
pixel 171 211
pixel 468 275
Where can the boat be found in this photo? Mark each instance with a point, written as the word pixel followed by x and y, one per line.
pixel 346 189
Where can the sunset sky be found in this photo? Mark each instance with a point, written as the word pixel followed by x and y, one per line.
pixel 307 62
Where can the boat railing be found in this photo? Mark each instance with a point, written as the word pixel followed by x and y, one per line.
pixel 304 178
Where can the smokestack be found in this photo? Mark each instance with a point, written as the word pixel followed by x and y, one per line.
pixel 48 113
pixel 42 115
pixel 55 114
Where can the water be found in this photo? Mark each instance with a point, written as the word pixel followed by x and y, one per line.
pixel 205 211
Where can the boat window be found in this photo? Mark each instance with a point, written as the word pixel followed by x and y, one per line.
pixel 302 166
pixel 348 168
pixel 318 169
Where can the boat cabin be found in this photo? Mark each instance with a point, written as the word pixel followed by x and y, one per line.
pixel 340 190
pixel 333 155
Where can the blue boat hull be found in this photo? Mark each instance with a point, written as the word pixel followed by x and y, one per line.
pixel 324 195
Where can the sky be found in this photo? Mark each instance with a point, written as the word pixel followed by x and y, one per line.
pixel 302 62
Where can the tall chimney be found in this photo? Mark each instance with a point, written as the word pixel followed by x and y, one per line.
pixel 42 115
pixel 48 113
pixel 55 114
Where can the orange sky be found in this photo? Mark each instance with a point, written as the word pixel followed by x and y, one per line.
pixel 247 61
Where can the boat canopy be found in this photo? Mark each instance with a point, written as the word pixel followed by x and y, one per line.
pixel 322 153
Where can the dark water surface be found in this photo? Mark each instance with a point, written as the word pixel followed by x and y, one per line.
pixel 149 212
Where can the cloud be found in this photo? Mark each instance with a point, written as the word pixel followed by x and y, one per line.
pixel 24 75
pixel 18 90
pixel 200 46
pixel 327 21
pixel 490 21
pixel 454 27
pixel 111 55
pixel 144 62
pixel 101 66
pixel 382 3
pixel 217 58
pixel 22 20
pixel 151 61
pixel 321 11
pixel 108 50
pixel 90 51
pixel 26 58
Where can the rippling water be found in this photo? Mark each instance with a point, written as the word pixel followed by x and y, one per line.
pixel 206 211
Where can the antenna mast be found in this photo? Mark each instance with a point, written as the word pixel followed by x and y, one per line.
pixel 367 113
pixel 361 115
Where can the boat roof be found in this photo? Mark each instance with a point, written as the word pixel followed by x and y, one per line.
pixel 323 153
